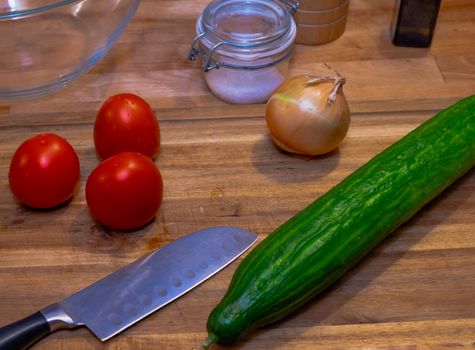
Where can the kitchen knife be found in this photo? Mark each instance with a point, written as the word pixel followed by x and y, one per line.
pixel 117 301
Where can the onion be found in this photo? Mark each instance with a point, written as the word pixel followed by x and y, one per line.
pixel 308 115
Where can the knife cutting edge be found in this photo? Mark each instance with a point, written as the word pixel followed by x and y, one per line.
pixel 126 296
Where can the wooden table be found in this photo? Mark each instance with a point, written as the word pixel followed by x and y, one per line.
pixel 415 291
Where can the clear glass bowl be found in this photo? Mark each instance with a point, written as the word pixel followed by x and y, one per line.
pixel 45 44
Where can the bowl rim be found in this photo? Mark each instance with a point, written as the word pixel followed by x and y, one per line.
pixel 36 10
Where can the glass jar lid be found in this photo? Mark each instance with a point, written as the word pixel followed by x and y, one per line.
pixel 245 30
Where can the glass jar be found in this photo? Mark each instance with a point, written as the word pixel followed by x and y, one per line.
pixel 245 47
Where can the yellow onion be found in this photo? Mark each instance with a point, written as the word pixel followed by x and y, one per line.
pixel 308 115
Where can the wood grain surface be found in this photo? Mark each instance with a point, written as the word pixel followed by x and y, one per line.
pixel 415 291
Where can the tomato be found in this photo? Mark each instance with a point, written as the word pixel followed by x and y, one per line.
pixel 126 123
pixel 44 171
pixel 125 191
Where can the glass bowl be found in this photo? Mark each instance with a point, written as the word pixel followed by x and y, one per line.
pixel 45 44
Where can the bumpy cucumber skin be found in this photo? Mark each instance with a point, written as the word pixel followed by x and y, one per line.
pixel 318 245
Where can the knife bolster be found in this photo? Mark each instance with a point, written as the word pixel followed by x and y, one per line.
pixel 57 318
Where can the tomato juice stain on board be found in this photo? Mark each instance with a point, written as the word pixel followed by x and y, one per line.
pixel 161 239
pixel 157 242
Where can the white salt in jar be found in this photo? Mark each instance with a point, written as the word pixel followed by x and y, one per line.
pixel 245 47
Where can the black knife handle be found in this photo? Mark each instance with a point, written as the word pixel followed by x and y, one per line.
pixel 22 334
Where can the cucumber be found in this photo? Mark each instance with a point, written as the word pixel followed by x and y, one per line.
pixel 319 244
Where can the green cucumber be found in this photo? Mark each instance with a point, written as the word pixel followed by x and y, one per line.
pixel 318 245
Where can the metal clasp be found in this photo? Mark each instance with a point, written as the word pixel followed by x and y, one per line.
pixel 194 52
pixel 211 63
pixel 292 4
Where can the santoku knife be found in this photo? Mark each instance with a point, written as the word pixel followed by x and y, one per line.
pixel 126 296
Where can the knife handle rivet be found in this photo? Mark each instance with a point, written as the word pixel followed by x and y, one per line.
pixel 161 291
pixel 176 282
pixel 189 274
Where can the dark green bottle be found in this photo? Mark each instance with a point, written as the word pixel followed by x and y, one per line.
pixel 414 22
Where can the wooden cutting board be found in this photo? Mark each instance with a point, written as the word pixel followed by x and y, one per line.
pixel 415 291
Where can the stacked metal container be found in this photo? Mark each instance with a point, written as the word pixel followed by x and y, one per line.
pixel 320 21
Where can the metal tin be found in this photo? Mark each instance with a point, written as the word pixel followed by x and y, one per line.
pixel 318 5
pixel 318 17
pixel 320 34
pixel 245 47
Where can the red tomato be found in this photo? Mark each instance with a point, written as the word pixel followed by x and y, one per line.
pixel 125 191
pixel 44 171
pixel 126 123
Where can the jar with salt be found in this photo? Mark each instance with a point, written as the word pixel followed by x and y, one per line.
pixel 245 47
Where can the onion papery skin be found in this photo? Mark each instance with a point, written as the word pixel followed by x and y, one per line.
pixel 302 121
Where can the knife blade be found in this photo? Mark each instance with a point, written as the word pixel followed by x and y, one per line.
pixel 126 296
